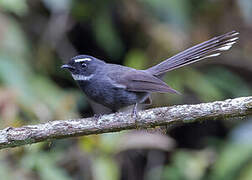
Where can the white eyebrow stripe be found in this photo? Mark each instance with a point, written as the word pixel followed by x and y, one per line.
pixel 78 77
pixel 82 60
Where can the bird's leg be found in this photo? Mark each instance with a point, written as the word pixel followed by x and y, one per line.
pixel 135 114
pixel 134 111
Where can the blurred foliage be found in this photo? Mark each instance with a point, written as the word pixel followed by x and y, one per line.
pixel 36 37
pixel 18 7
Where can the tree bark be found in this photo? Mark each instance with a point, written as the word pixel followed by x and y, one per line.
pixel 13 137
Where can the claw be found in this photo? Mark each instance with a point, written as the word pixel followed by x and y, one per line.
pixel 97 117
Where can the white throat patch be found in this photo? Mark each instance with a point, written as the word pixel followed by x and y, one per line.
pixel 82 60
pixel 78 77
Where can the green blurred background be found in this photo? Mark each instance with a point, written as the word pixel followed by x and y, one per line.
pixel 38 36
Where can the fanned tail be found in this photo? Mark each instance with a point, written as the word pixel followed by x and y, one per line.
pixel 210 48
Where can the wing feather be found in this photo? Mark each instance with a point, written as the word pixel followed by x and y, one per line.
pixel 139 81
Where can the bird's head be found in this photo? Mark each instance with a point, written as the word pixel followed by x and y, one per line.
pixel 83 67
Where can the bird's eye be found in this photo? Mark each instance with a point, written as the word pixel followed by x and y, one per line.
pixel 84 65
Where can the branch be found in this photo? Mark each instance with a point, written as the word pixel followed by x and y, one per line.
pixel 12 137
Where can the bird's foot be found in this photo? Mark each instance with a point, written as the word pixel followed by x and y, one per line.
pixel 97 117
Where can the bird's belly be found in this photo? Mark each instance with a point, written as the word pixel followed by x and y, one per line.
pixel 114 98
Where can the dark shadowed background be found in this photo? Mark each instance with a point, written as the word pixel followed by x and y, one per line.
pixel 38 36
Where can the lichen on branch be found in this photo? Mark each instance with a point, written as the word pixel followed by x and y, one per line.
pixel 13 137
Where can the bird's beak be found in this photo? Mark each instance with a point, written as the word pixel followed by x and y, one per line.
pixel 67 66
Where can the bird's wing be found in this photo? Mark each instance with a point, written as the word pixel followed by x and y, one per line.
pixel 139 81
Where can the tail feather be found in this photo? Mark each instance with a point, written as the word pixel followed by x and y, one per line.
pixel 207 49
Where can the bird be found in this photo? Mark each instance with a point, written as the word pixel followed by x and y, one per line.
pixel 116 86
